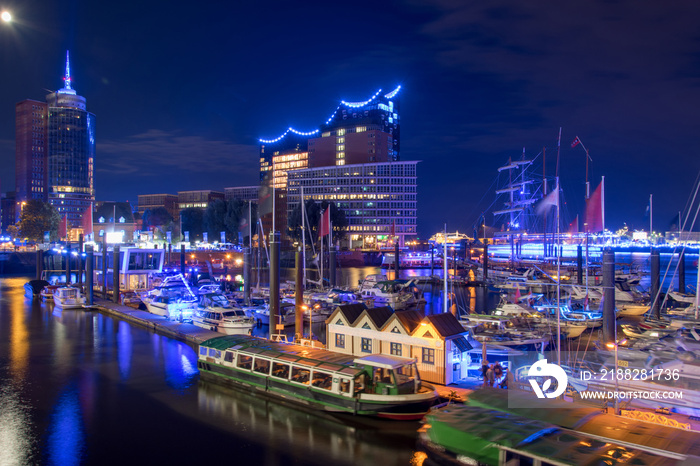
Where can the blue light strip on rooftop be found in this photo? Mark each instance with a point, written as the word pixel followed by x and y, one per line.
pixel 361 104
pixel 391 94
pixel 290 129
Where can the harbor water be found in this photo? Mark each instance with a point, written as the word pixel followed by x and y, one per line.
pixel 79 387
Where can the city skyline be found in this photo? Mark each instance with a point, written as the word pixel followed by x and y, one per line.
pixel 185 95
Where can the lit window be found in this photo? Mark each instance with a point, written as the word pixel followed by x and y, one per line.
pixel 366 345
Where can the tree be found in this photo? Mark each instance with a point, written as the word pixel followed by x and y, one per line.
pixel 158 219
pixel 193 221
pixel 38 217
pixel 214 217
pixel 236 219
pixel 313 217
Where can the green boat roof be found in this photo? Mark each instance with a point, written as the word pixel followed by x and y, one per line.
pixel 292 353
pixel 589 420
pixel 477 432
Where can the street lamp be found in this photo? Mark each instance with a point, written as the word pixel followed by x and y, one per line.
pixel 617 386
pixel 6 16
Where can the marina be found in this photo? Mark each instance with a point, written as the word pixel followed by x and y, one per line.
pixel 330 385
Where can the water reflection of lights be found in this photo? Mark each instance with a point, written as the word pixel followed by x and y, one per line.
pixel 15 428
pixel 19 341
pixel 180 364
pixel 327 439
pixel 125 349
pixel 66 437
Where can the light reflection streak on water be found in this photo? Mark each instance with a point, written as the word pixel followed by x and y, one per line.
pixel 19 342
pixel 328 440
pixel 125 349
pixel 178 375
pixel 66 437
pixel 16 442
pixel 15 429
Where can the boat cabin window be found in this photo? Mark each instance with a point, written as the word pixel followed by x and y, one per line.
pixel 244 361
pixel 280 370
pixel 405 374
pixel 214 353
pixel 203 350
pixel 344 385
pixel 322 380
pixel 382 375
pixel 228 356
pixel 300 375
pixel 262 366
pixel 360 382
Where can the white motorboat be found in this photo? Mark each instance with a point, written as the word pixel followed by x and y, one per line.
pixel 46 292
pixel 67 297
pixel 631 310
pixel 172 299
pixel 216 313
pixel 399 294
pixel 590 319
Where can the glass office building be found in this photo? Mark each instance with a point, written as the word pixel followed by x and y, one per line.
pixel 376 198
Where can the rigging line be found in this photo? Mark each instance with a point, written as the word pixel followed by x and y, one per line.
pixel 697 183
pixel 675 271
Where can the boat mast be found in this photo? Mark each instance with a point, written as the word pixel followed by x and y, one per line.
pixel 558 281
pixel 303 236
pixel 444 265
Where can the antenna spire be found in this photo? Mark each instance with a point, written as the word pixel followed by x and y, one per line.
pixel 66 78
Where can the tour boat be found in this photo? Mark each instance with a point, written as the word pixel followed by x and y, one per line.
pixel 67 297
pixel 412 260
pixel 470 435
pixel 378 385
pixel 216 313
pixel 523 429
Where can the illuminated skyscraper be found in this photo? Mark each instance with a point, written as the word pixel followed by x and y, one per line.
pixel 71 152
pixel 55 152
pixel 31 149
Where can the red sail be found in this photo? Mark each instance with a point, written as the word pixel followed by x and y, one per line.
pixel 594 211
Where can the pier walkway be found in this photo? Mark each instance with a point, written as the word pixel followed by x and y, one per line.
pixel 187 333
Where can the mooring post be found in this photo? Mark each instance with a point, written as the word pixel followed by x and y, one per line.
pixel 115 275
pixel 299 293
pixel 104 267
pixel 579 265
pixel 609 323
pixel 655 283
pixel 247 257
pixel 681 272
pixel 274 280
pixel 89 264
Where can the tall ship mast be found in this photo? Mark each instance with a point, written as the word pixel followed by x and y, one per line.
pixel 519 192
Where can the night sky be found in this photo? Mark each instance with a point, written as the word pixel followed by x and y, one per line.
pixel 183 90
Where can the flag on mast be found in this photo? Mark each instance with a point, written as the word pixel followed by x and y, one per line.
pixel 575 142
pixel 595 209
pixel 325 227
pixel 86 221
pixel 63 227
pixel 551 199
